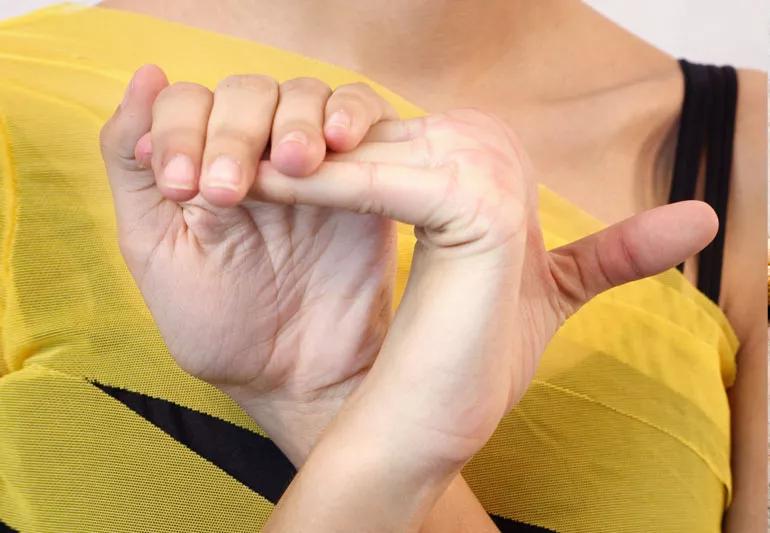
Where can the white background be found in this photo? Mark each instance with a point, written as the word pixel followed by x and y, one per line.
pixel 716 31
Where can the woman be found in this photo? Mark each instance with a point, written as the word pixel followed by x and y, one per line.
pixel 532 108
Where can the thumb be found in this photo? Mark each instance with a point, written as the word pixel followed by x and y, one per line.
pixel 640 246
pixel 132 183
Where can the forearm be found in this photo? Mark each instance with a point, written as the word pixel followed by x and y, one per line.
pixel 358 479
pixel 456 511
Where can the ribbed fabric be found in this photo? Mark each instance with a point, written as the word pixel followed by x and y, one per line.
pixel 625 428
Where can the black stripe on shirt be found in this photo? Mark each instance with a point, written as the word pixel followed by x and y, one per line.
pixel 247 456
pixel 506 525
pixel 5 528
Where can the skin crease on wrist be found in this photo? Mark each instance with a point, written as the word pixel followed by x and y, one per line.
pixel 511 58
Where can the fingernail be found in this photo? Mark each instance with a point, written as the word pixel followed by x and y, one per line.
pixel 296 136
pixel 224 173
pixel 339 119
pixel 179 173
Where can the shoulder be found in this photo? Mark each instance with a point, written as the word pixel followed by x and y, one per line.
pixel 743 294
pixel 751 123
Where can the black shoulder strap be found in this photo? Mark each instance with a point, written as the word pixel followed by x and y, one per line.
pixel 706 132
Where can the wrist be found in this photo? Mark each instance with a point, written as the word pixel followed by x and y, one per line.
pixel 293 427
pixel 394 405
pixel 357 475
pixel 295 422
pixel 377 426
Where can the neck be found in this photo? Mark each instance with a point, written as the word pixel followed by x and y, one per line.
pixel 437 53
pixel 418 39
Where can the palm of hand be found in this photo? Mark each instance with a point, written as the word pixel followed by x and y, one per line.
pixel 484 296
pixel 267 296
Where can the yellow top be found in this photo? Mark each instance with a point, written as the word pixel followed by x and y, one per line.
pixel 625 429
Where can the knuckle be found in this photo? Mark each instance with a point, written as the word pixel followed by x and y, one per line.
pixel 182 88
pixel 178 138
pixel 312 130
pixel 352 103
pixel 360 98
pixel 305 84
pixel 254 82
pixel 444 124
pixel 113 148
pixel 567 274
pixel 229 136
pixel 357 86
pixel 358 91
pixel 105 138
pixel 181 91
pixel 418 127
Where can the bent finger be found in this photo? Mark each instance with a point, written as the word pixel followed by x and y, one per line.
pixel 350 112
pixel 132 184
pixel 298 145
pixel 180 117
pixel 238 131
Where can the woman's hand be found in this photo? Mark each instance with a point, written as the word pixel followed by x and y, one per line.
pixel 484 298
pixel 282 307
